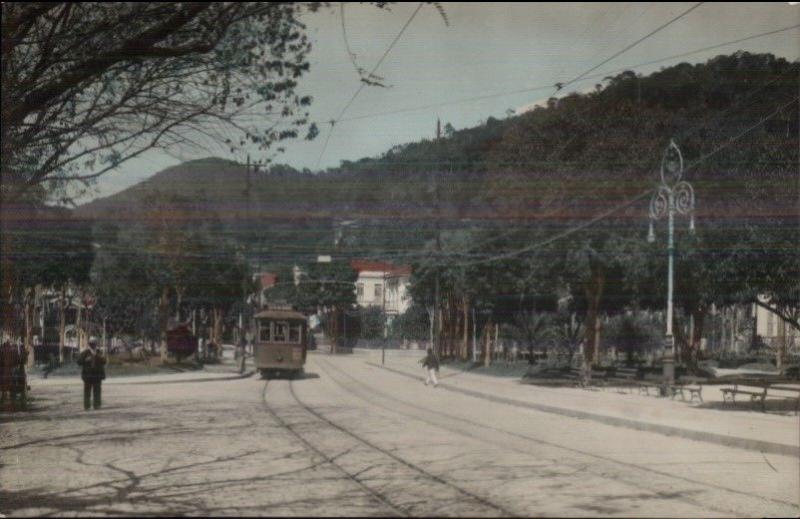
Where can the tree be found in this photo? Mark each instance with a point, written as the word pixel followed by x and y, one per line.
pixel 633 336
pixel 534 330
pixel 88 86
pixel 57 251
pixel 373 322
pixel 413 325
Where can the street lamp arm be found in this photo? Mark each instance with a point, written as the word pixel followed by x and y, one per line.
pixel 684 197
pixel 659 204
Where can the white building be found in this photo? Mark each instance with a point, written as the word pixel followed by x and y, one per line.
pixel 770 328
pixel 383 285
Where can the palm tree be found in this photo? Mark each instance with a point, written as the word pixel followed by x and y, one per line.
pixel 534 329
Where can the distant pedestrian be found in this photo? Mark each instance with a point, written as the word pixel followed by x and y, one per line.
pixel 93 372
pixel 431 364
pixel 241 350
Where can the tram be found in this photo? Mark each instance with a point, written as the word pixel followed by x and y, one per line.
pixel 281 339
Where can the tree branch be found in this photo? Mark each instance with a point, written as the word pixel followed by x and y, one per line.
pixel 135 47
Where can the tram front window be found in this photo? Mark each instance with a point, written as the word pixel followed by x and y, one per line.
pixel 279 332
pixel 294 334
pixel 263 333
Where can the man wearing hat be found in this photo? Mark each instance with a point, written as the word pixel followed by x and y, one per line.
pixel 92 362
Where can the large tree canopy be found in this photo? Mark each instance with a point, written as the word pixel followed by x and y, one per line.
pixel 86 86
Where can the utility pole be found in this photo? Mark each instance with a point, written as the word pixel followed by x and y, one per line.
pixel 436 316
pixel 385 326
pixel 247 189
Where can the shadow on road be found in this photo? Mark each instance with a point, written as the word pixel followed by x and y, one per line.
pixel 785 407
pixel 288 376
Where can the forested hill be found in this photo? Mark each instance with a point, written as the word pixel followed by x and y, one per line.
pixel 734 117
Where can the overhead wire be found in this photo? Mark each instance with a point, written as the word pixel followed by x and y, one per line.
pixel 550 85
pixel 632 45
pixel 585 77
pixel 363 84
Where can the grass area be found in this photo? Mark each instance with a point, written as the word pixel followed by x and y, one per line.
pixel 117 370
pixel 497 369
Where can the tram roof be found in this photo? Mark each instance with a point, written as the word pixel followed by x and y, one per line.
pixel 279 313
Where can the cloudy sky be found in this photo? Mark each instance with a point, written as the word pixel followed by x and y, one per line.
pixel 489 59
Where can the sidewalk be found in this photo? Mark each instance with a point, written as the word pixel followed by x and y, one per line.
pixel 709 422
pixel 227 369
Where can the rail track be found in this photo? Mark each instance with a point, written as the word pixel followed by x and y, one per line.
pixel 376 470
pixel 634 475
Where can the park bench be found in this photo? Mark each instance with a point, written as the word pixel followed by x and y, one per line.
pixel 598 377
pixel 628 377
pixel 575 375
pixel 755 390
pixel 784 392
pixel 690 384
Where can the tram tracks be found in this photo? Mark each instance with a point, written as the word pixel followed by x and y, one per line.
pixel 610 469
pixel 404 488
pixel 376 496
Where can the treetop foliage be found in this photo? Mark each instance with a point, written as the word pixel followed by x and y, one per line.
pixel 89 85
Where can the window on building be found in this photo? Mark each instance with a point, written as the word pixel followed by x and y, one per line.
pixel 770 325
pixel 378 290
pixel 360 290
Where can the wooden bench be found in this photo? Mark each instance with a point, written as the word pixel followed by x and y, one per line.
pixel 690 384
pixel 646 385
pixel 755 390
pixel 628 377
pixel 574 374
pixel 784 392
pixel 577 374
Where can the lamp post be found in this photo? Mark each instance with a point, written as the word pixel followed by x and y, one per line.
pixel 383 307
pixel 672 196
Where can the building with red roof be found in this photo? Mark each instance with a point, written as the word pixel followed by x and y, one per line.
pixel 382 284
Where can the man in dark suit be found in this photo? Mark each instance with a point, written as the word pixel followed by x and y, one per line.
pixel 92 362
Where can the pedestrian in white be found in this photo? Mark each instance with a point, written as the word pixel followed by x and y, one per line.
pixel 431 364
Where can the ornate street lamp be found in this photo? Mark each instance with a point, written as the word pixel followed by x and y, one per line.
pixel 672 195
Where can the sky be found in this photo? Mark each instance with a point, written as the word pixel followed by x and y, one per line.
pixel 436 70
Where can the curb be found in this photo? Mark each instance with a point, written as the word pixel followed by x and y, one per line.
pixel 667 430
pixel 205 379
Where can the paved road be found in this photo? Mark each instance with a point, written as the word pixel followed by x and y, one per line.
pixel 353 439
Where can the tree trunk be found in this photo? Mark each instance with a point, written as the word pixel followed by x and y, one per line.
pixel 496 337
pixel 27 338
pixel 179 296
pixel 465 341
pixel 438 332
pixel 62 324
pixel 431 316
pixel 696 335
pixel 594 294
pixel 218 329
pixel 163 304
pixel 598 328
pixel 79 322
pixel 474 338
pixel 780 350
pixel 487 341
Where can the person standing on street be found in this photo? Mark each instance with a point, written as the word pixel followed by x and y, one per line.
pixel 241 351
pixel 93 372
pixel 431 364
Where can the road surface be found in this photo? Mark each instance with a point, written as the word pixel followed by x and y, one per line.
pixel 350 438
